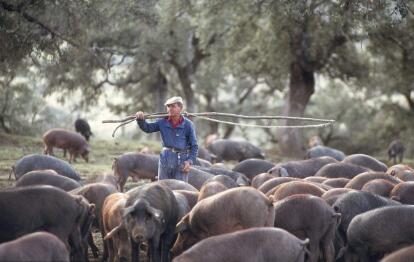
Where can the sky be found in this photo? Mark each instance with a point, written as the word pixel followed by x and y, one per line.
pixel 96 114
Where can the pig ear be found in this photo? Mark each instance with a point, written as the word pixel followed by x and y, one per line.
pixel 78 198
pixel 156 213
pixel 243 180
pixel 283 172
pixel 92 208
pixel 126 211
pixel 270 171
pixel 240 181
pixel 182 225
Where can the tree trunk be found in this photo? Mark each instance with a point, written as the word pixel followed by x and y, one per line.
pixel 6 105
pixel 228 131
pixel 4 126
pixel 301 88
pixel 185 81
pixel 409 100
pixel 160 87
pixel 209 108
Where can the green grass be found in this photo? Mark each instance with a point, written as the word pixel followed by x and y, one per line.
pixel 13 147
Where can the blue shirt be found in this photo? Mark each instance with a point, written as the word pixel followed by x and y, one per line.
pixel 182 137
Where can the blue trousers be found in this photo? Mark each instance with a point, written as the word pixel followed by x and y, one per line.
pixel 171 164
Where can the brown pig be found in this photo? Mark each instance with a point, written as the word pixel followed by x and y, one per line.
pixel 136 165
pixel 225 212
pixel 274 182
pixel 260 179
pixel 66 140
pixel 380 187
pixel 403 172
pixel 297 187
pixel 308 216
pixel 401 255
pixel 336 182
pixel 403 193
pixel 253 244
pixel 360 180
pixel 209 189
pixel 332 195
pixel 116 236
pixel 315 179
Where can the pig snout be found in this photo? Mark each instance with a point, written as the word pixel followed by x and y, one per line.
pixel 139 234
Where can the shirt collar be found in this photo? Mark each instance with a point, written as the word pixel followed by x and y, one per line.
pixel 175 124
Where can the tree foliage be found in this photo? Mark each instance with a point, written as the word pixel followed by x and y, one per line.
pixel 248 57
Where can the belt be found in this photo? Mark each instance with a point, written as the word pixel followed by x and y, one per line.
pixel 175 150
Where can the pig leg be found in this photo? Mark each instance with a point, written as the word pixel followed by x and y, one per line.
pixel 313 247
pixel 105 243
pixel 122 178
pixel 70 157
pixel 270 221
pixel 95 250
pixel 155 249
pixel 48 150
pixel 350 256
pixel 45 150
pixel 75 240
pixel 328 245
pixel 134 250
pixel 362 253
pixel 166 244
pixel 110 245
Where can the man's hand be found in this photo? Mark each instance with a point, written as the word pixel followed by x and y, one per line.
pixel 140 115
pixel 186 167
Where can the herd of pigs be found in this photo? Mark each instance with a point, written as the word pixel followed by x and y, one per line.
pixel 327 207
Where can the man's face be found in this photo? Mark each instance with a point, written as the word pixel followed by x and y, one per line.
pixel 174 109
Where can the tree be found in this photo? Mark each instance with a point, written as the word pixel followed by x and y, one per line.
pixel 391 46
pixel 298 39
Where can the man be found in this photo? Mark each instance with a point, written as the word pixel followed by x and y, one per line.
pixel 178 137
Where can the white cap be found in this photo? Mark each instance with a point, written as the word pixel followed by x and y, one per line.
pixel 174 99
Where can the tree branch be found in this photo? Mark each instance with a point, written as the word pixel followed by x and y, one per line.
pixel 31 19
pixel 124 82
pixel 410 101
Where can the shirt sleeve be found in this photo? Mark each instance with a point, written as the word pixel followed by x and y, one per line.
pixel 192 141
pixel 148 127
